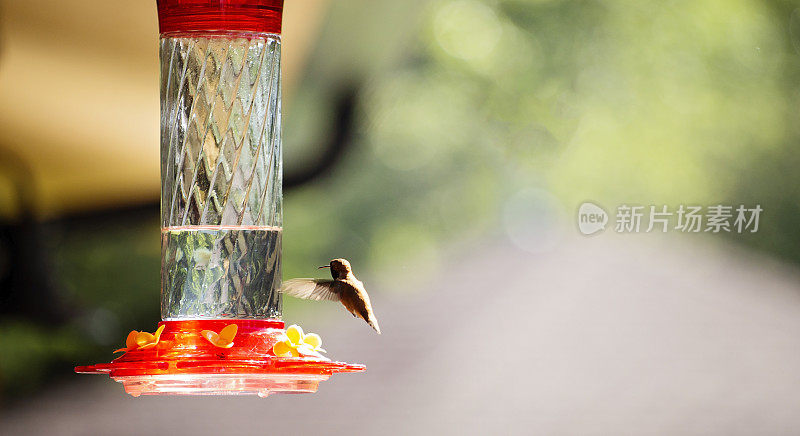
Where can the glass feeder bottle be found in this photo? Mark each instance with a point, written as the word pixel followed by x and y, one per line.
pixel 221 164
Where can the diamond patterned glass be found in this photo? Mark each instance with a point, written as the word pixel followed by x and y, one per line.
pixel 221 175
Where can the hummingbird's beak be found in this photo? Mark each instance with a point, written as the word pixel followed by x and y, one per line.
pixel 324 266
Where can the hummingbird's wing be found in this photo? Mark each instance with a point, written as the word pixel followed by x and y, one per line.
pixel 310 289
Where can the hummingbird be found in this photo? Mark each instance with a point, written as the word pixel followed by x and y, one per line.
pixel 344 287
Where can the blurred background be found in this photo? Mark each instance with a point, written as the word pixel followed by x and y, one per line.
pixel 443 146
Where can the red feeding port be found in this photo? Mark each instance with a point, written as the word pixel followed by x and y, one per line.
pixel 183 362
pixel 219 16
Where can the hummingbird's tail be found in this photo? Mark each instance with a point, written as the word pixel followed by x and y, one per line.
pixel 373 322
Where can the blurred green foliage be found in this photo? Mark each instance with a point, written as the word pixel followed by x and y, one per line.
pixel 466 103
pixel 674 102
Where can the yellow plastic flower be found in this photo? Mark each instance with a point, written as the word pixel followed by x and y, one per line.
pixel 225 337
pixel 141 340
pixel 295 343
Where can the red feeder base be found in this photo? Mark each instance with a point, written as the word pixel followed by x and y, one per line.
pixel 186 363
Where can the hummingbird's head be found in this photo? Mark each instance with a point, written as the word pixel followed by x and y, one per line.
pixel 339 268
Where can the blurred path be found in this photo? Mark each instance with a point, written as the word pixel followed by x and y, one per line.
pixel 606 335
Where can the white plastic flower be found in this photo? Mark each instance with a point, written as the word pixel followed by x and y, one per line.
pixel 295 343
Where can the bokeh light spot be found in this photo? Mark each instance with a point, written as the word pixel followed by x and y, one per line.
pixel 467 29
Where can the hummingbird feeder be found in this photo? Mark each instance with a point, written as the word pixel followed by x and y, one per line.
pixel 221 215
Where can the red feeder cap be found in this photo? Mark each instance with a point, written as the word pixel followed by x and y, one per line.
pixel 219 16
